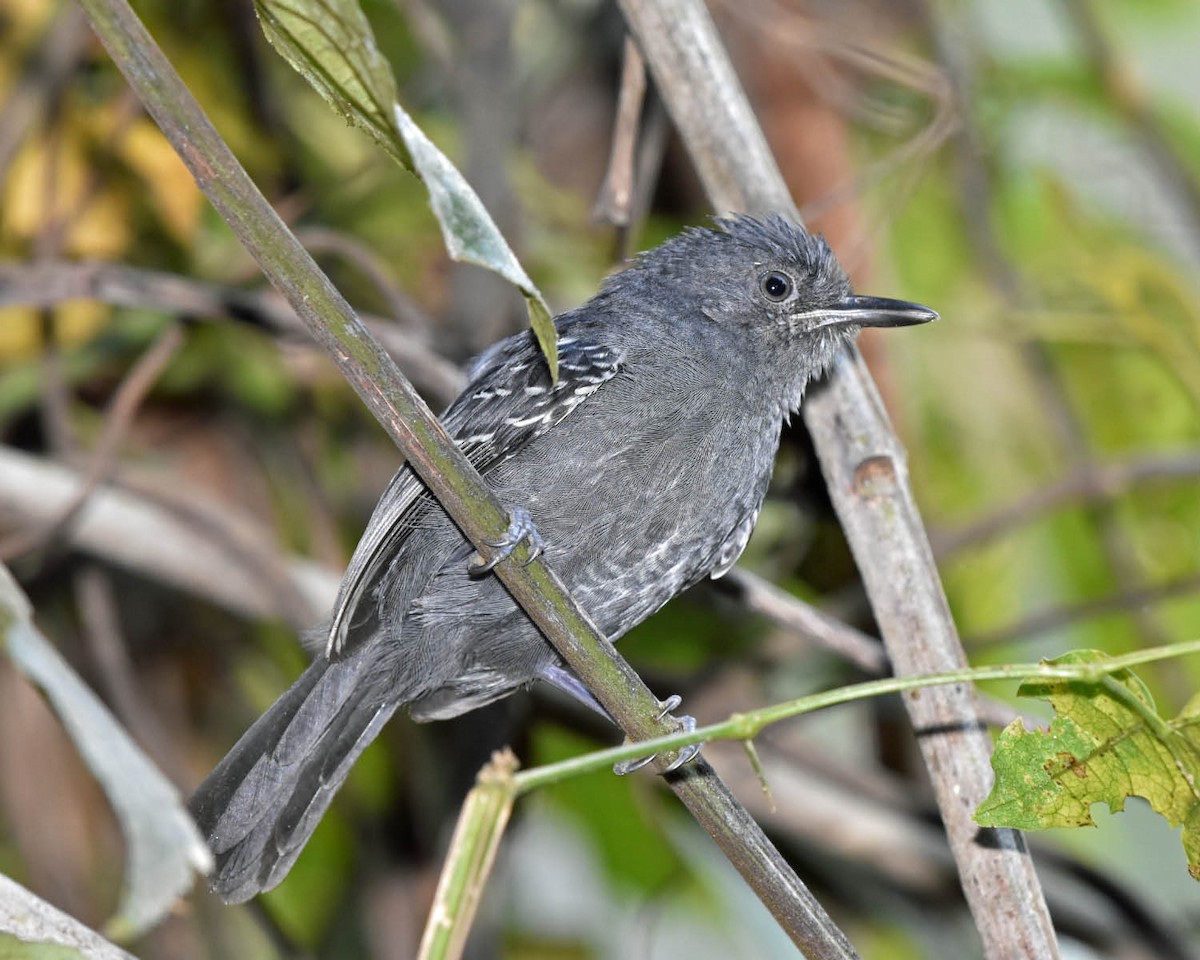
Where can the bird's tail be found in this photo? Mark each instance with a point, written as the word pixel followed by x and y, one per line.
pixel 260 805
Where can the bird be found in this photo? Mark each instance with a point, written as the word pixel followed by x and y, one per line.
pixel 638 472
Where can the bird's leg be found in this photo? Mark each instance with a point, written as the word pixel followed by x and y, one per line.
pixel 520 527
pixel 562 677
pixel 686 754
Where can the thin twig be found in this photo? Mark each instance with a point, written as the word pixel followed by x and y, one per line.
pixel 1058 617
pixel 801 619
pixel 97 603
pixel 47 71
pixel 44 284
pixel 781 608
pixel 1088 483
pixel 404 310
pixel 807 37
pixel 103 461
pixel 616 192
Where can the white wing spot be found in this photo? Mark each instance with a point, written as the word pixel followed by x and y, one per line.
pixel 526 421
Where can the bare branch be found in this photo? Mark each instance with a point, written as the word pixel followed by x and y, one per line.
pixel 403 308
pixel 103 461
pixel 1090 483
pixel 127 529
pixel 616 192
pixel 1056 618
pixel 47 283
pixel 865 470
pixel 781 608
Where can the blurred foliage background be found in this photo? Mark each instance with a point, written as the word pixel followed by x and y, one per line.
pixel 1030 168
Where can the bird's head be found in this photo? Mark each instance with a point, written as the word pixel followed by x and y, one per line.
pixel 778 288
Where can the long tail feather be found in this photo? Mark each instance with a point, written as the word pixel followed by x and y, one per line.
pixel 262 802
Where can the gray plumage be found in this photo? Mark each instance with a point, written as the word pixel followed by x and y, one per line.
pixel 643 467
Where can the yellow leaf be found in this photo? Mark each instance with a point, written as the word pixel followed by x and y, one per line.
pixel 75 322
pixel 45 187
pixel 173 192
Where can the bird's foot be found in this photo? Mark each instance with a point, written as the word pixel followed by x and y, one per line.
pixel 686 754
pixel 520 527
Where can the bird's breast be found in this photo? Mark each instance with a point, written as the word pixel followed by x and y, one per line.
pixel 636 507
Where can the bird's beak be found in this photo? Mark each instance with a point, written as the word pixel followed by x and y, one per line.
pixel 878 312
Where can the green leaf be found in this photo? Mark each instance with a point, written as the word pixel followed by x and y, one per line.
pixel 470 233
pixel 1106 743
pixel 162 842
pixel 329 42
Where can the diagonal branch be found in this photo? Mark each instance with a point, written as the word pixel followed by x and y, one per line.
pixel 444 469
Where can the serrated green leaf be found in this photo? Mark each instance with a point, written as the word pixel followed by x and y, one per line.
pixel 330 43
pixel 1105 744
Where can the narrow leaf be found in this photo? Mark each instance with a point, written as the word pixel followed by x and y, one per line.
pixel 329 42
pixel 470 233
pixel 32 929
pixel 162 842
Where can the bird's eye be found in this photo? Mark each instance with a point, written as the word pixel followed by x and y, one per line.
pixel 775 286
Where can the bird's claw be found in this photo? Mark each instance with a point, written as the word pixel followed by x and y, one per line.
pixel 686 754
pixel 520 527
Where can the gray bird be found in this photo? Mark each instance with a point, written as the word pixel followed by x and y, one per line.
pixel 643 469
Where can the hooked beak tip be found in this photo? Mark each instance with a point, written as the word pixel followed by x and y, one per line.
pixel 882 312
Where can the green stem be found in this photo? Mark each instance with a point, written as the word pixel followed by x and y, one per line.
pixel 746 726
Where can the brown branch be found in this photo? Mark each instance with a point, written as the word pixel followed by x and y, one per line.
pixel 45 284
pixel 865 470
pixel 1058 617
pixel 789 613
pixel 47 71
pixel 616 192
pixel 764 598
pixel 1090 483
pixel 404 310
pixel 97 603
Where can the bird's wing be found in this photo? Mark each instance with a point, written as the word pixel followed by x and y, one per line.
pixel 729 551
pixel 509 402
